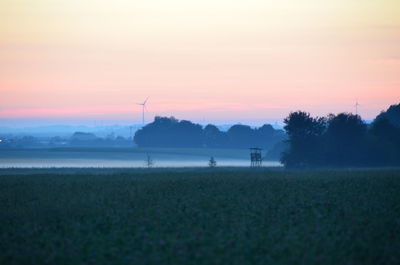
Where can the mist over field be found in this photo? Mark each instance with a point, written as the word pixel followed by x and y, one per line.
pixel 124 157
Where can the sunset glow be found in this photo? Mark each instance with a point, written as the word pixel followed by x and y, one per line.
pixel 208 59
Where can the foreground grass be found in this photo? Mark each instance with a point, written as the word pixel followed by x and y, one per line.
pixel 201 217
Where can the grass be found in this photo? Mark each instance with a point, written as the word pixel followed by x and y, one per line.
pixel 200 216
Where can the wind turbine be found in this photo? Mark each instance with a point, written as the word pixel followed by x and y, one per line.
pixel 356 106
pixel 130 132
pixel 143 108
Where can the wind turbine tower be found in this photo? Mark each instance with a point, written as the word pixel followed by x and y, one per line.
pixel 356 106
pixel 130 132
pixel 143 108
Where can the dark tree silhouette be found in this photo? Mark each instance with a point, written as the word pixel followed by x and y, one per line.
pixel 267 137
pixel 384 143
pixel 214 138
pixel 241 136
pixel 170 132
pixel 342 140
pixel 188 134
pixel 304 134
pixel 392 114
pixel 345 140
pixel 383 128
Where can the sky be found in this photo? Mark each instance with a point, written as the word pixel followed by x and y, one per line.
pixel 219 60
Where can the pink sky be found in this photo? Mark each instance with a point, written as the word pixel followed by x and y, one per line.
pixel 215 60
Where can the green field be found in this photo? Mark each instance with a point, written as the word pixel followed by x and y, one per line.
pixel 199 216
pixel 124 153
pixel 124 157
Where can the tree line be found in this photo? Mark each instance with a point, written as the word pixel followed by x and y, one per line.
pixel 342 140
pixel 174 133
pixel 78 139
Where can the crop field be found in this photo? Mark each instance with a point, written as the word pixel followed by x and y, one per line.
pixel 199 216
pixel 123 153
pixel 123 157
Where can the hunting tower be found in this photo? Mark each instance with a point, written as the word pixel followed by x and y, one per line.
pixel 255 157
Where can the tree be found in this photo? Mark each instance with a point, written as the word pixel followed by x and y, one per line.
pixel 342 140
pixel 267 137
pixel 304 134
pixel 169 132
pixel 187 134
pixel 214 138
pixel 156 134
pixel 384 143
pixel 84 139
pixel 382 127
pixel 392 114
pixel 345 140
pixel 149 161
pixel 241 136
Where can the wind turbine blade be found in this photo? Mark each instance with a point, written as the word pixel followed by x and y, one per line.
pixel 144 103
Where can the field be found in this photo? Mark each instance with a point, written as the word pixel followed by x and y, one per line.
pixel 123 157
pixel 123 153
pixel 199 216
